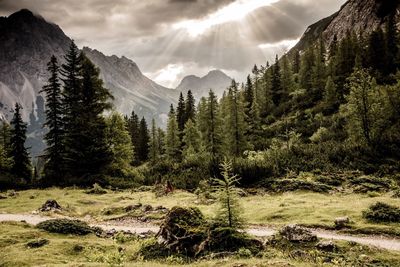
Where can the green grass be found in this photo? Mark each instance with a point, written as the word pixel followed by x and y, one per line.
pixel 275 210
pixel 69 250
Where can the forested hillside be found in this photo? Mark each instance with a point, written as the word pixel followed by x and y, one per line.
pixel 331 107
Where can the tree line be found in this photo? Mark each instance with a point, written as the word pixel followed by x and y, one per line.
pixel 332 106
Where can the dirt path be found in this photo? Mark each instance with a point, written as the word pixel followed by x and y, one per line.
pixel 377 241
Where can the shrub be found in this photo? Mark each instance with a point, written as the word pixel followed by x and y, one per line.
pixel 382 212
pixel 364 184
pixel 150 249
pixel 65 226
pixel 96 190
pixel 223 239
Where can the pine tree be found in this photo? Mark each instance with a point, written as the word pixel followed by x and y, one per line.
pixel 318 79
pixel 71 73
pixel 229 213
pixel 296 62
pixel 154 143
pixel 172 141
pixel 143 141
pixel 287 81
pixel 161 143
pixel 191 139
pixel 119 142
pixel 133 129
pixel 5 159
pixel 180 114
pixel 21 165
pixel 55 164
pixel 276 83
pixel 248 95
pixel 234 125
pixel 209 123
pixel 306 70
pixel 330 94
pixel 190 108
pixel 91 153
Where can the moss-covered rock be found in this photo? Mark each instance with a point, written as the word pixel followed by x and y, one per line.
pixel 183 230
pixel 226 239
pixel 66 226
pixel 37 243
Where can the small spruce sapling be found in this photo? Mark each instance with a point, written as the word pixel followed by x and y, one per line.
pixel 229 213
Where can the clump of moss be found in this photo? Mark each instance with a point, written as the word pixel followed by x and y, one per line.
pixel 382 212
pixel 66 226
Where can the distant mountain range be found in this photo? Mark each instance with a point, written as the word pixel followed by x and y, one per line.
pixel 200 86
pixel 27 41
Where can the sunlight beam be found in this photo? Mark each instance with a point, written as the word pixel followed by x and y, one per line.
pixel 233 12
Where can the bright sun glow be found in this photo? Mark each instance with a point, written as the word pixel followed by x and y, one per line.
pixel 233 12
pixel 169 75
pixel 287 44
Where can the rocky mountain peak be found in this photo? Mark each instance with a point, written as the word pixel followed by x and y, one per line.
pixel 358 16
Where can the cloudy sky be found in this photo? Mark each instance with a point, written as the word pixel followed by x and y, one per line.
pixel 170 39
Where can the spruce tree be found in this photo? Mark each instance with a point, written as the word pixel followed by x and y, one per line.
pixel 248 95
pixel 191 139
pixel 119 142
pixel 276 83
pixel 209 123
pixel 5 135
pixel 234 124
pixel 161 143
pixel 133 129
pixel 190 108
pixel 89 146
pixel 154 143
pixel 21 165
pixel 180 113
pixel 143 141
pixel 54 168
pixel 172 141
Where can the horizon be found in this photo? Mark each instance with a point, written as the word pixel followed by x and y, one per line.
pixel 210 35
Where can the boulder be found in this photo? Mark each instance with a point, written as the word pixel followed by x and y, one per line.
pixel 297 234
pixel 327 246
pixel 37 243
pixel 50 205
pixel 342 222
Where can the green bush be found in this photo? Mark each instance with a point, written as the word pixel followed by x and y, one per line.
pixel 364 184
pixel 96 190
pixel 150 249
pixel 382 212
pixel 223 239
pixel 65 226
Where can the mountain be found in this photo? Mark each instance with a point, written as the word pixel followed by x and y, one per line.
pixel 358 16
pixel 130 88
pixel 27 41
pixel 200 86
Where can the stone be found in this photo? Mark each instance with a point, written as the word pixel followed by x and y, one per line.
pixel 327 246
pixel 37 243
pixel 298 234
pixel 342 222
pixel 50 205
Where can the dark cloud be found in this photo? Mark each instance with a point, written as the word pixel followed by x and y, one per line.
pixel 143 29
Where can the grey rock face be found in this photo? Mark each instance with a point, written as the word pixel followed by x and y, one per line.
pixel 200 86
